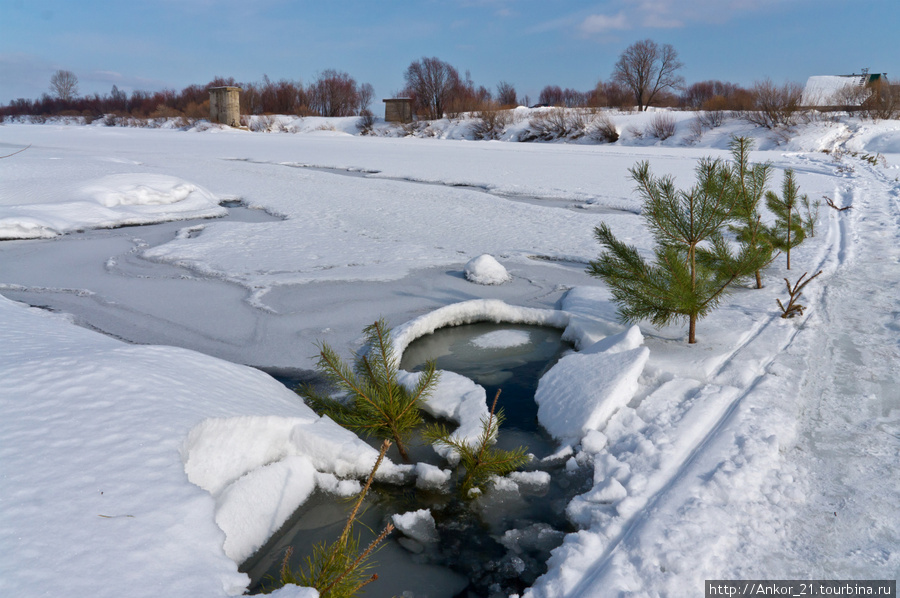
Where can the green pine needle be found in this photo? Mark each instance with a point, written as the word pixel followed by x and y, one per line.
pixel 374 403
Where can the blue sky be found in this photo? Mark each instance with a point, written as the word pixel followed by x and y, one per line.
pixel 156 44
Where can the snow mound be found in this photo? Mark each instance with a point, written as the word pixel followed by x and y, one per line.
pixel 108 202
pixel 418 525
pixel 458 399
pixel 260 469
pixel 485 269
pixel 430 477
pixel 144 190
pixel 582 391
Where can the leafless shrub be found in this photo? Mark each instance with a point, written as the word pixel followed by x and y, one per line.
pixel 635 132
pixel 550 124
pixel 366 122
pixel 559 123
pixel 411 128
pixel 491 122
pixel 696 129
pixel 849 98
pixel 579 122
pixel 714 112
pixel 883 103
pixel 661 127
pixel 774 107
pixel 602 128
pixel 793 308
pixel 163 111
pixel 264 123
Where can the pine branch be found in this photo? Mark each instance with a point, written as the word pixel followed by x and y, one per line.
pixel 375 402
pixel 340 569
pixel 480 461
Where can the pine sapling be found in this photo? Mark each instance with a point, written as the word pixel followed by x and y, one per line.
pixel 793 308
pixel 340 569
pixel 749 187
pixel 376 403
pixel 693 266
pixel 480 460
pixel 788 231
pixel 812 215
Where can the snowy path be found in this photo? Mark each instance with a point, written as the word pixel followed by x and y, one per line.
pixel 788 451
pixel 850 433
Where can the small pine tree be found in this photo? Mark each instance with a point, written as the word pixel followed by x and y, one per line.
pixel 480 460
pixel 694 266
pixel 749 187
pixel 375 403
pixel 340 569
pixel 789 229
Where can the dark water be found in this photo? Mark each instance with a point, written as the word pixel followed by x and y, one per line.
pixel 495 545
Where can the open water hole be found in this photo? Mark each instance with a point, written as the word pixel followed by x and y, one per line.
pixel 494 545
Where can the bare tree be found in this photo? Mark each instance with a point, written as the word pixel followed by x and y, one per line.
pixel 506 94
pixel 333 94
pixel 647 69
pixel 64 84
pixel 432 82
pixel 366 94
pixel 551 95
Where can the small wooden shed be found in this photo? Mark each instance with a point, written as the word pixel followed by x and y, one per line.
pixel 398 110
pixel 225 105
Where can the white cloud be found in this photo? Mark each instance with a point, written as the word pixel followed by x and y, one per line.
pixel 593 24
pixel 661 21
pixel 621 15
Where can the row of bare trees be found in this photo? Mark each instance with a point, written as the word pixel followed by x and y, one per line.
pixel 646 74
pixel 331 93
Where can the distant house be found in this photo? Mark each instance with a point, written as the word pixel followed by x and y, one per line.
pixel 840 92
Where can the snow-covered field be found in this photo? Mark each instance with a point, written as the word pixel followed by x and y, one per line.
pixel 147 462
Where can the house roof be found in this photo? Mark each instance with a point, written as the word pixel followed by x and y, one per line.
pixel 821 90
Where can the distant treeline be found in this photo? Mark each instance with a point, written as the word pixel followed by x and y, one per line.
pixel 437 89
pixel 338 94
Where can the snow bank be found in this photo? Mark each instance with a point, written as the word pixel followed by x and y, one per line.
pixel 485 269
pixel 107 202
pixel 457 399
pixel 131 421
pixel 583 390
pixel 93 483
pixel 477 310
pixel 260 469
